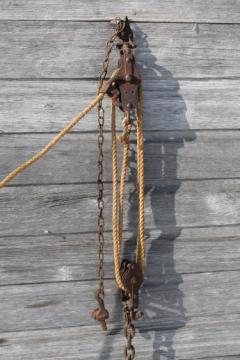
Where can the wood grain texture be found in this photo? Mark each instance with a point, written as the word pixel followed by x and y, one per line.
pixel 31 210
pixel 188 54
pixel 173 10
pixel 168 301
pixel 170 104
pixel 48 49
pixel 168 155
pixel 193 341
pixel 71 257
pixel 190 342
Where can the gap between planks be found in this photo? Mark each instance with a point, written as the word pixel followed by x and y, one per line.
pixel 94 280
pixel 166 180
pixel 131 21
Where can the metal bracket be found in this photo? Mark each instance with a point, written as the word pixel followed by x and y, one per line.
pixel 132 279
pixel 123 88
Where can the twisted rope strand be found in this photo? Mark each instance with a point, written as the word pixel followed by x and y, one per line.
pixel 69 126
pixel 125 140
pixel 116 244
pixel 52 142
pixel 140 185
pixel 117 210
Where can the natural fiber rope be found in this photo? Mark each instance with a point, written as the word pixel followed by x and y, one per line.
pixel 117 227
pixel 42 152
pixel 116 245
pixel 140 185
pixel 69 126
pixel 124 138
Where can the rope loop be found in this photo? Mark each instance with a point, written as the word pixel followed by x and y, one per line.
pixel 118 195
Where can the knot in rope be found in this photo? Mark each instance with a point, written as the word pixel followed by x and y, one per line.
pixel 127 127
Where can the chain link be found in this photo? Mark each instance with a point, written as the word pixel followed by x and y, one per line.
pixel 100 199
pixel 129 332
pixel 119 26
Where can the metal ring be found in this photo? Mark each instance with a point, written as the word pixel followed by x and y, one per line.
pixel 129 352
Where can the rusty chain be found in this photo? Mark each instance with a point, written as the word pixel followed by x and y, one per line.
pixel 101 314
pixel 102 77
pixel 119 24
pixel 100 199
pixel 129 332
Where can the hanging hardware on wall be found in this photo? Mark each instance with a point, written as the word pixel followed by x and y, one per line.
pixel 125 91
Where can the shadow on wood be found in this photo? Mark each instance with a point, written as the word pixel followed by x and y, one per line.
pixel 160 196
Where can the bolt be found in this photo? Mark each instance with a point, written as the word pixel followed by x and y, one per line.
pixel 134 280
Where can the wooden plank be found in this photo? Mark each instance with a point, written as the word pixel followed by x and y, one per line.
pixel 210 155
pixel 168 155
pixel 68 257
pixel 47 49
pixel 200 338
pixel 43 106
pixel 167 300
pixel 172 10
pixel 224 357
pixel 71 208
pixel 234 357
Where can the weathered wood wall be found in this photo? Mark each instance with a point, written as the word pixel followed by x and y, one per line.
pixel 189 55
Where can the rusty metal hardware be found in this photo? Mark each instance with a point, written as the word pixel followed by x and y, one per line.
pixel 119 25
pixel 100 314
pixel 132 279
pixel 123 90
pixel 100 201
pixel 129 332
pixel 124 86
